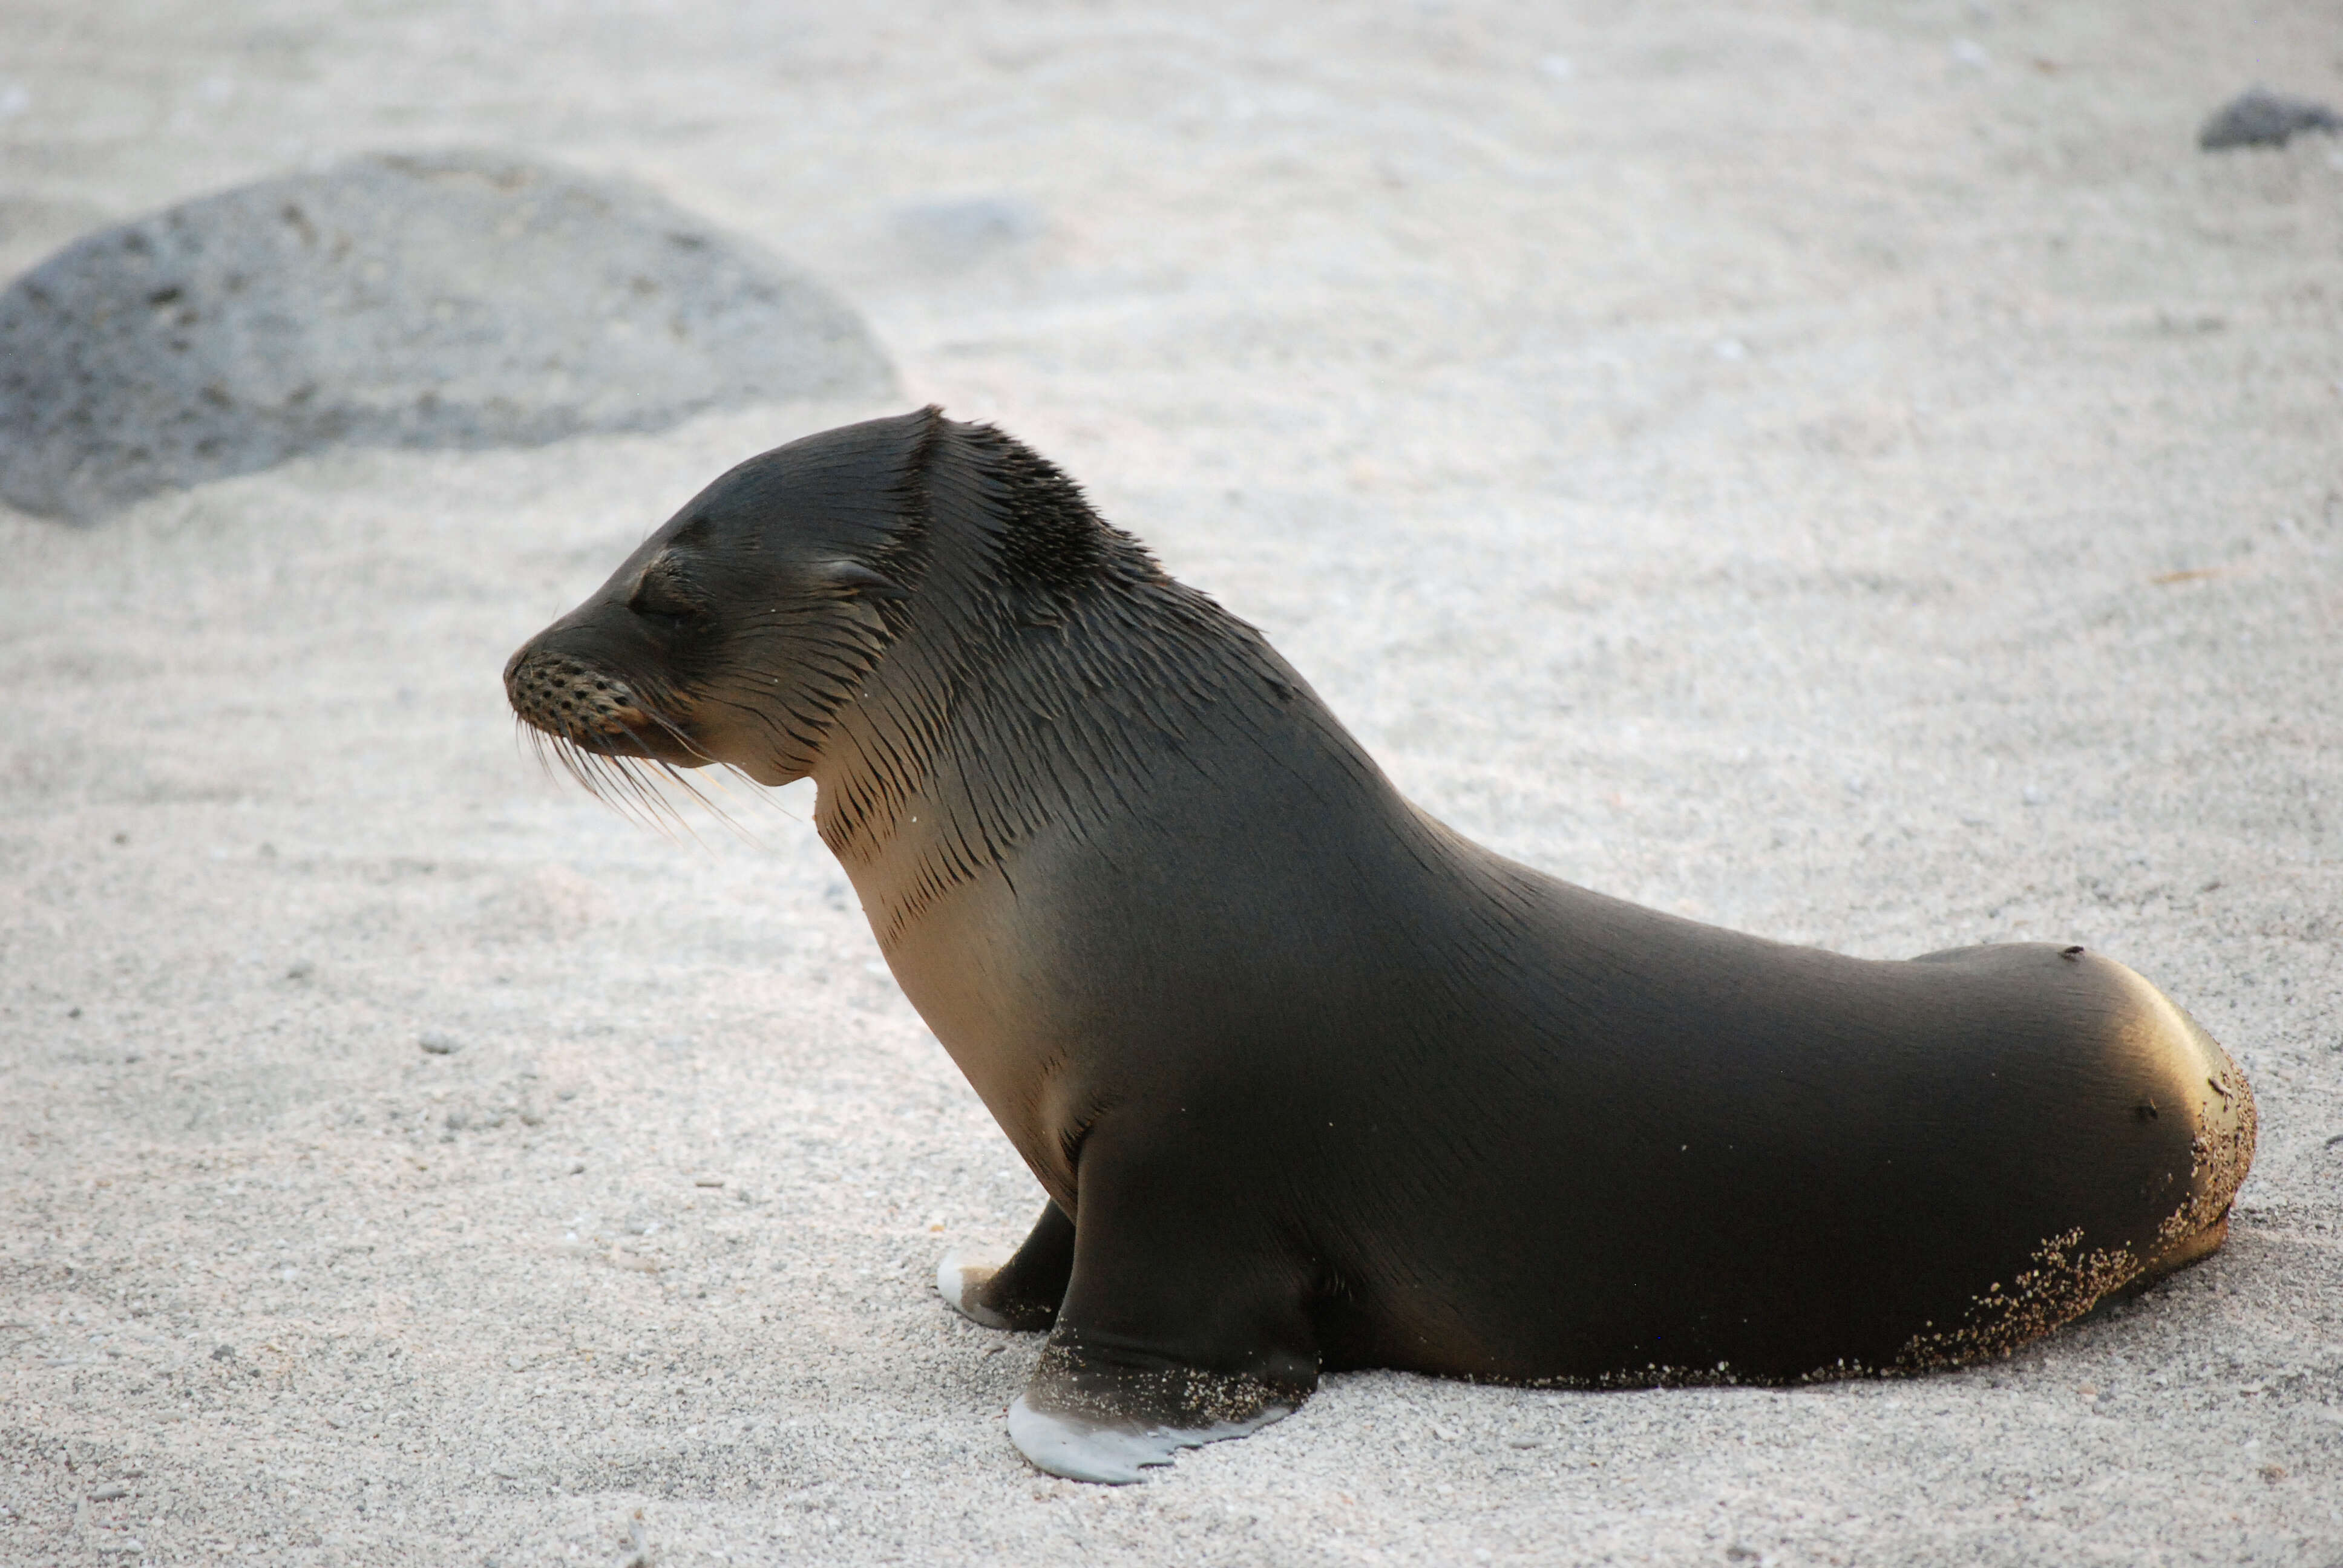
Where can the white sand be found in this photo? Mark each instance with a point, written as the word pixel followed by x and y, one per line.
pixel 1738 458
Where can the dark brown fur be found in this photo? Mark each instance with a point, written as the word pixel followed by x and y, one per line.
pixel 1311 1080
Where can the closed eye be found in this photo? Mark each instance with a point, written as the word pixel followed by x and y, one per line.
pixel 661 596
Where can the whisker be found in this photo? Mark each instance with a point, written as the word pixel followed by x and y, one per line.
pixel 642 785
pixel 637 787
pixel 676 776
pixel 646 804
pixel 679 738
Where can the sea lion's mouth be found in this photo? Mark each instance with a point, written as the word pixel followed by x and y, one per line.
pixel 625 732
pixel 591 710
pixel 636 732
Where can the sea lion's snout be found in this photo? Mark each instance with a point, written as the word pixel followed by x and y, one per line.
pixel 577 702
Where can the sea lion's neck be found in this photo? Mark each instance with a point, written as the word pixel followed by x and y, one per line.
pixel 1003 714
pixel 879 762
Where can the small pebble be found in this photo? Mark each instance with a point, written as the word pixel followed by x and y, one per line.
pixel 440 1044
pixel 2258 117
pixel 113 1490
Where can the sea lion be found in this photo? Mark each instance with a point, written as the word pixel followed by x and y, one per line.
pixel 1313 1082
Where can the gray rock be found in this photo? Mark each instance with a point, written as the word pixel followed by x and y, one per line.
pixel 2258 117
pixel 441 299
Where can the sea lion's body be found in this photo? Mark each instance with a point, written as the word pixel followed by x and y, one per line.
pixel 1323 1084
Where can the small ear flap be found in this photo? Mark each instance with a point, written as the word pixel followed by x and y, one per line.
pixel 856 577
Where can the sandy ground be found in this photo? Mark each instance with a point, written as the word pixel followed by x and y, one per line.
pixel 1852 471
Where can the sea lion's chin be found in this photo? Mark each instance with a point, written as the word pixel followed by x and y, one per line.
pixel 666 742
pixel 619 746
pixel 771 774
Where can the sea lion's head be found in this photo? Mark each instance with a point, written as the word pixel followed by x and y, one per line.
pixel 734 633
pixel 880 570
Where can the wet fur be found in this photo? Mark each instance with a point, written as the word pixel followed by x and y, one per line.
pixel 1320 1082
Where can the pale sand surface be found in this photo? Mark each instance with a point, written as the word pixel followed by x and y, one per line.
pixel 1855 472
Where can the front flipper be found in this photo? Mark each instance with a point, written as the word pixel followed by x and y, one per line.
pixel 1089 1417
pixel 1185 1323
pixel 1021 1293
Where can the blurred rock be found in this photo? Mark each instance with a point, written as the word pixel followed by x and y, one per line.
pixel 2258 117
pixel 441 299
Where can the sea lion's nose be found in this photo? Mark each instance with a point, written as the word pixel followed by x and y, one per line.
pixel 563 696
pixel 525 677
